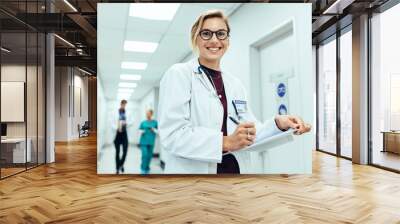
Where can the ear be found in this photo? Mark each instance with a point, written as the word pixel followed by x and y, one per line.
pixel 227 43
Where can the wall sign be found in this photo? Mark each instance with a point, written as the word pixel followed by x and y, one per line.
pixel 282 110
pixel 281 90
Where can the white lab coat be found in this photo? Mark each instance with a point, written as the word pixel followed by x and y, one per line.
pixel 191 117
pixel 114 120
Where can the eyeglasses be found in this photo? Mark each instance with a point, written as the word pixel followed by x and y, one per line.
pixel 208 34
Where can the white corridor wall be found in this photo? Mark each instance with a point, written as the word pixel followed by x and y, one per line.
pixel 247 36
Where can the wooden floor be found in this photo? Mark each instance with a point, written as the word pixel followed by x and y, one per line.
pixel 10 171
pixel 70 191
pixel 387 159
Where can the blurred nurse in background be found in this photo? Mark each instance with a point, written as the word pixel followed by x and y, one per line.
pixel 147 140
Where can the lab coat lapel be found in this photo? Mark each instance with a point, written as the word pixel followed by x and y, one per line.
pixel 230 126
pixel 200 76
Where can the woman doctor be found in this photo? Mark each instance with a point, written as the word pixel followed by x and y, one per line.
pixel 200 105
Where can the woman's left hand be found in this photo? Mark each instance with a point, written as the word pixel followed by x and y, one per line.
pixel 284 122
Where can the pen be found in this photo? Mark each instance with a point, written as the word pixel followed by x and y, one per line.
pixel 234 107
pixel 234 120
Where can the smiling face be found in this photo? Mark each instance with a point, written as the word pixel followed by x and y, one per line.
pixel 213 49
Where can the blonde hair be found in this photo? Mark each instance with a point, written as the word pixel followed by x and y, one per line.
pixel 199 23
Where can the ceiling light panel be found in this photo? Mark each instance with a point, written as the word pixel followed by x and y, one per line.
pixel 153 11
pixel 140 46
pixel 127 84
pixel 133 65
pixel 130 77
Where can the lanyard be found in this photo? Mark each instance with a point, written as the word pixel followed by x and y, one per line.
pixel 205 83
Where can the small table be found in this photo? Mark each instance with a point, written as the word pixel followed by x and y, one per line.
pixel 391 141
pixel 18 149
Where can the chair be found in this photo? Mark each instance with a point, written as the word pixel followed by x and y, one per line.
pixel 84 130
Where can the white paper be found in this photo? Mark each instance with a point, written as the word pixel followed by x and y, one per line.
pixel 270 142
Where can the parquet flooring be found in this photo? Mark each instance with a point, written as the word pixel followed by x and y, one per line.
pixel 70 191
pixel 10 171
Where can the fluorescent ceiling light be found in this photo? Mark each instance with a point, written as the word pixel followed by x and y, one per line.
pixel 338 6
pixel 65 41
pixel 140 46
pixel 5 50
pixel 127 84
pixel 154 11
pixel 130 77
pixel 70 5
pixel 86 72
pixel 134 65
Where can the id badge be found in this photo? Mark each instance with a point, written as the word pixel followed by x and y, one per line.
pixel 240 106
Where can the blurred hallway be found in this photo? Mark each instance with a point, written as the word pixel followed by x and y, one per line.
pixel 132 162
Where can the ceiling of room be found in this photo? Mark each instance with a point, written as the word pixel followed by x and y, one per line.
pixel 77 22
pixel 115 26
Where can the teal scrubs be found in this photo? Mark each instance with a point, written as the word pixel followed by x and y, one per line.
pixel 147 140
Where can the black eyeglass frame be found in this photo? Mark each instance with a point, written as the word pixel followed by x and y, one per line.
pixel 214 32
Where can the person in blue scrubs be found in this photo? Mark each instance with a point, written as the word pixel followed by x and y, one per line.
pixel 147 140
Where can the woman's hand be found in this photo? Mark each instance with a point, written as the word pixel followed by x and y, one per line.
pixel 284 122
pixel 243 136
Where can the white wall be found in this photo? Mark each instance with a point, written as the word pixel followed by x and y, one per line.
pixel 101 115
pixel 80 103
pixel 294 157
pixel 61 103
pixel 314 74
pixel 70 83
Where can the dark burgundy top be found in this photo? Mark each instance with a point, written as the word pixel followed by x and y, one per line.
pixel 229 163
pixel 215 77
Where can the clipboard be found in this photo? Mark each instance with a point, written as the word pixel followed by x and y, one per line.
pixel 268 143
